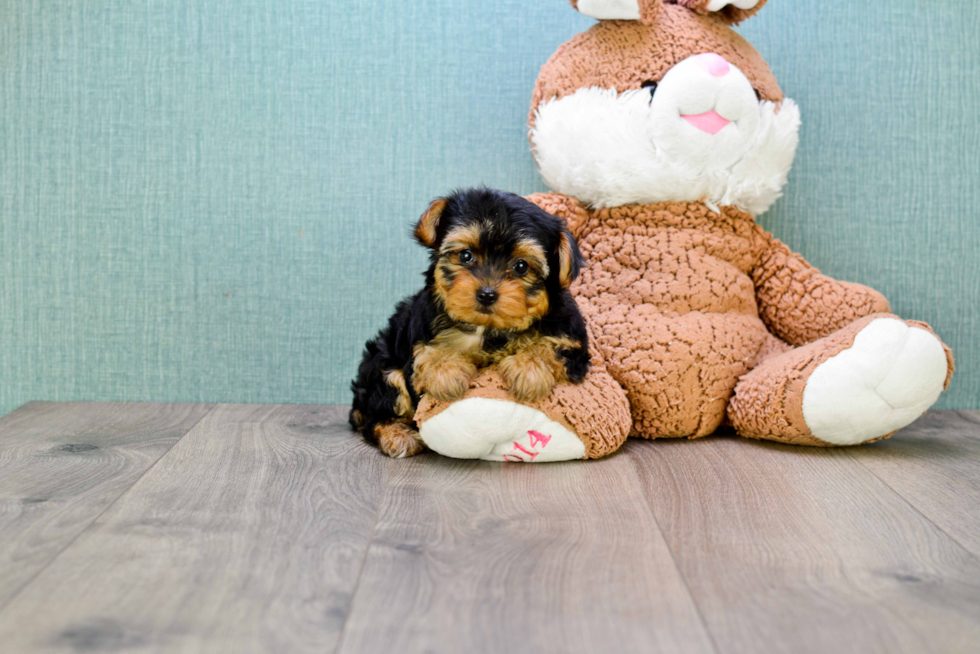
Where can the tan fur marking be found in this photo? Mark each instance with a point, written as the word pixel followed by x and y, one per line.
pixel 537 304
pixel 425 232
pixel 533 370
pixel 530 339
pixel 398 440
pixel 461 238
pixel 467 342
pixel 442 285
pixel 534 254
pixel 566 257
pixel 443 373
pixel 513 311
pixel 510 311
pixel 403 405
pixel 460 299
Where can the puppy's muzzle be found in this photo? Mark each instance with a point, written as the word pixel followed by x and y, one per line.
pixel 486 296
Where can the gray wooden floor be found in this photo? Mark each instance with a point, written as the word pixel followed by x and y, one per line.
pixel 153 527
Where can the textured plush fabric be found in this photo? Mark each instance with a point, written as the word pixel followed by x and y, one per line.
pixel 769 399
pixel 209 201
pixel 683 301
pixel 685 298
pixel 799 304
pixel 596 410
pixel 625 55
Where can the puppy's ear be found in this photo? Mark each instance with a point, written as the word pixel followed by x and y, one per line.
pixel 569 259
pixel 425 232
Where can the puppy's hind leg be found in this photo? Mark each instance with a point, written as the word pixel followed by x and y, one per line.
pixel 404 407
pixel 398 440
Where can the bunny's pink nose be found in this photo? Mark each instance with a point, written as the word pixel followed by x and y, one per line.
pixel 714 64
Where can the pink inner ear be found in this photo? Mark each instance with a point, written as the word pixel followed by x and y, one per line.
pixel 711 122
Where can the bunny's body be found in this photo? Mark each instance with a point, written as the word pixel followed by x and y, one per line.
pixel 662 138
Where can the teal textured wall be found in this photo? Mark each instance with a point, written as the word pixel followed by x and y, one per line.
pixel 209 200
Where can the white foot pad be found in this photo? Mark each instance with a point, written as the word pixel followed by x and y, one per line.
pixel 890 376
pixel 495 430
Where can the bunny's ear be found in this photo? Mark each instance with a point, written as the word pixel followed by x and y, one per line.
pixel 645 11
pixel 729 11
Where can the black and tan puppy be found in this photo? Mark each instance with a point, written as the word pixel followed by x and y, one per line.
pixel 495 293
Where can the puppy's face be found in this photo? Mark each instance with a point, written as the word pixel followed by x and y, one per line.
pixel 491 278
pixel 495 257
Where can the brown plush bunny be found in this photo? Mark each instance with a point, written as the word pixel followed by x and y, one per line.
pixel 663 133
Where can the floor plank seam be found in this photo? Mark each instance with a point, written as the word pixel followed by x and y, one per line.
pixel 367 552
pixel 909 503
pixel 673 559
pixel 95 519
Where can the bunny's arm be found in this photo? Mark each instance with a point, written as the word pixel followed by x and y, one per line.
pixel 798 303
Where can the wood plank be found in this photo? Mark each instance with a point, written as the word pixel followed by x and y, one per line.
pixel 804 550
pixel 247 536
pixel 480 557
pixel 934 464
pixel 62 464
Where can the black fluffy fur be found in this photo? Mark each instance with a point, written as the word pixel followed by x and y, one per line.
pixel 418 318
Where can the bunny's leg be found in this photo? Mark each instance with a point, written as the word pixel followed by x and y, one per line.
pixel 576 421
pixel 859 384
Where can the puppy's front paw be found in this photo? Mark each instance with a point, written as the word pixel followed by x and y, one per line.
pixel 527 377
pixel 445 378
pixel 448 385
pixel 398 440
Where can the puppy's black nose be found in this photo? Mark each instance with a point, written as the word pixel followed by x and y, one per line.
pixel 486 296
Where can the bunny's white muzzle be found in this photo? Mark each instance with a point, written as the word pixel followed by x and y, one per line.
pixel 702 135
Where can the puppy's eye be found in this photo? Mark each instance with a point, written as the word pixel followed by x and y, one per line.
pixel 520 268
pixel 465 257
